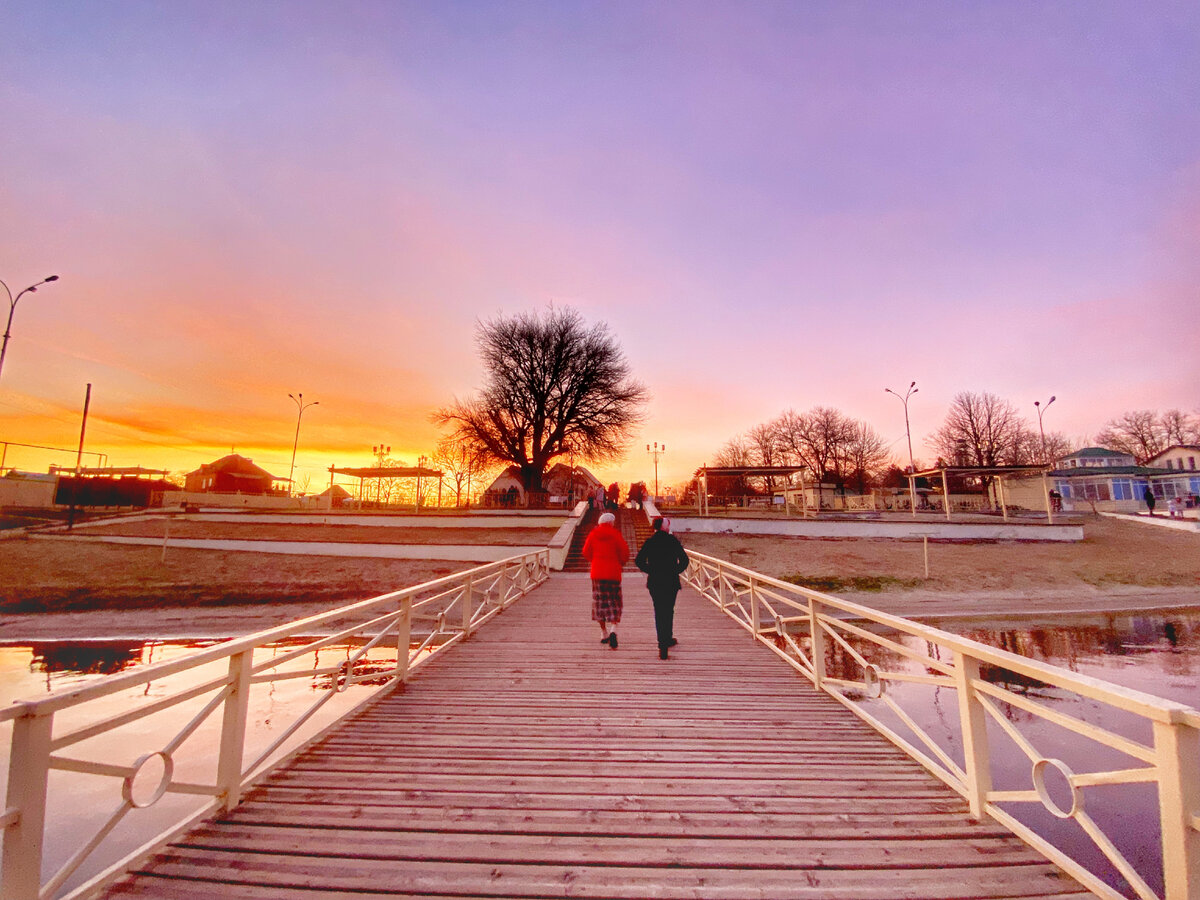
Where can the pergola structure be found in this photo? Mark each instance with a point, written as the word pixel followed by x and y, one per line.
pixel 389 472
pixel 743 472
pixel 997 472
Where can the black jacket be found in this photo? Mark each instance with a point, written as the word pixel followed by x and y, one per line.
pixel 662 558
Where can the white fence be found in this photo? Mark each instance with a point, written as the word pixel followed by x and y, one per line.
pixel 998 723
pixel 451 608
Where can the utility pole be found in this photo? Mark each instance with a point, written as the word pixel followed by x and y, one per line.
pixel 87 401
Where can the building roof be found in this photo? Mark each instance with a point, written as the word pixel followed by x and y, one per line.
pixel 236 465
pixel 1094 452
pixel 388 472
pixel 1102 471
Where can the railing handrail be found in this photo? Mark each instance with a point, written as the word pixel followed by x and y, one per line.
pixel 1170 761
pixel 1156 708
pixel 463 602
pixel 116 683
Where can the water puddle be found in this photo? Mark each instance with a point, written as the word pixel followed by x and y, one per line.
pixel 79 804
pixel 1158 654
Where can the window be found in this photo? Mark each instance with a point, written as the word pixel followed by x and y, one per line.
pixel 1122 489
pixel 1191 462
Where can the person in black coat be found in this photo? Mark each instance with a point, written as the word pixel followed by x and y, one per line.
pixel 662 558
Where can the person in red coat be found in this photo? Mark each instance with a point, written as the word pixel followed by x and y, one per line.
pixel 607 552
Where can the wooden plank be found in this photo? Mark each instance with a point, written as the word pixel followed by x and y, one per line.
pixel 530 762
pixel 627 881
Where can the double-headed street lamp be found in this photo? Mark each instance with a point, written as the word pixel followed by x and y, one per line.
pixel 1042 431
pixel 912 389
pixel 12 308
pixel 301 406
pixel 656 452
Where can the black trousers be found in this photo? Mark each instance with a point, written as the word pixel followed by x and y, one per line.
pixel 664 614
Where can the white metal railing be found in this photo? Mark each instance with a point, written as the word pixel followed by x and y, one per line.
pixel 812 631
pixel 44 739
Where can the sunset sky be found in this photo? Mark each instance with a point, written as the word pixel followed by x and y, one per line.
pixel 772 205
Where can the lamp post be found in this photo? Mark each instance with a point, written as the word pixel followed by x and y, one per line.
pixel 656 452
pixel 1042 431
pixel 912 466
pixel 421 460
pixel 380 452
pixel 912 389
pixel 12 308
pixel 301 406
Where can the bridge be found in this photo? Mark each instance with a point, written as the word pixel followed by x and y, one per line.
pixel 506 754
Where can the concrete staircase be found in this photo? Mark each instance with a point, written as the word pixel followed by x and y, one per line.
pixel 634 527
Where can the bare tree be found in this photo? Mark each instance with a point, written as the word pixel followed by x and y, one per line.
pixel 982 430
pixel 1180 427
pixel 1144 433
pixel 552 383
pixel 816 440
pixel 464 462
pixel 864 456
pixel 737 453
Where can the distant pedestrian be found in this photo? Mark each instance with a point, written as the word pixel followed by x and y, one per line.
pixel 607 553
pixel 612 496
pixel 1175 508
pixel 1148 496
pixel 663 559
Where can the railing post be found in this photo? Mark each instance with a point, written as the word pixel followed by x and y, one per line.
pixel 28 771
pixel 817 640
pixel 972 718
pixel 1177 746
pixel 721 585
pixel 233 729
pixel 467 598
pixel 754 605
pixel 404 637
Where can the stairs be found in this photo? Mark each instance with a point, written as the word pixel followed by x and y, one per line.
pixel 575 561
pixel 634 527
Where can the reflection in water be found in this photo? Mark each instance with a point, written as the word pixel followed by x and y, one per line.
pixel 1151 653
pixel 93 658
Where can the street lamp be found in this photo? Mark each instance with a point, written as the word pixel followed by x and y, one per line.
pixel 12 308
pixel 380 452
pixel 656 452
pixel 301 406
pixel 912 389
pixel 421 460
pixel 1042 431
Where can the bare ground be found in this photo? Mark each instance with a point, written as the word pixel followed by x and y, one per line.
pixel 1118 565
pixel 74 590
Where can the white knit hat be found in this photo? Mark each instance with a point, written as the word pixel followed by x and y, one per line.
pixel 607 519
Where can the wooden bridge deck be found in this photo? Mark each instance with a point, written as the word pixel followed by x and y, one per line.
pixel 533 762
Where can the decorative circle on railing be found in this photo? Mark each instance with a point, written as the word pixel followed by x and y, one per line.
pixel 872 683
pixel 1039 784
pixel 132 786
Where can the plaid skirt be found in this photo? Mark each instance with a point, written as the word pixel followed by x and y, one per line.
pixel 606 601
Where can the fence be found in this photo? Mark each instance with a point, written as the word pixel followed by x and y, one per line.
pixel 42 729
pixel 813 631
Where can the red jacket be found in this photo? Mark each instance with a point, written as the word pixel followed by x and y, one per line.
pixel 607 552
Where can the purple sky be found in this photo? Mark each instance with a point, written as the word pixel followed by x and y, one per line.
pixel 772 205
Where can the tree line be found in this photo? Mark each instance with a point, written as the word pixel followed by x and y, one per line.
pixel 980 429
